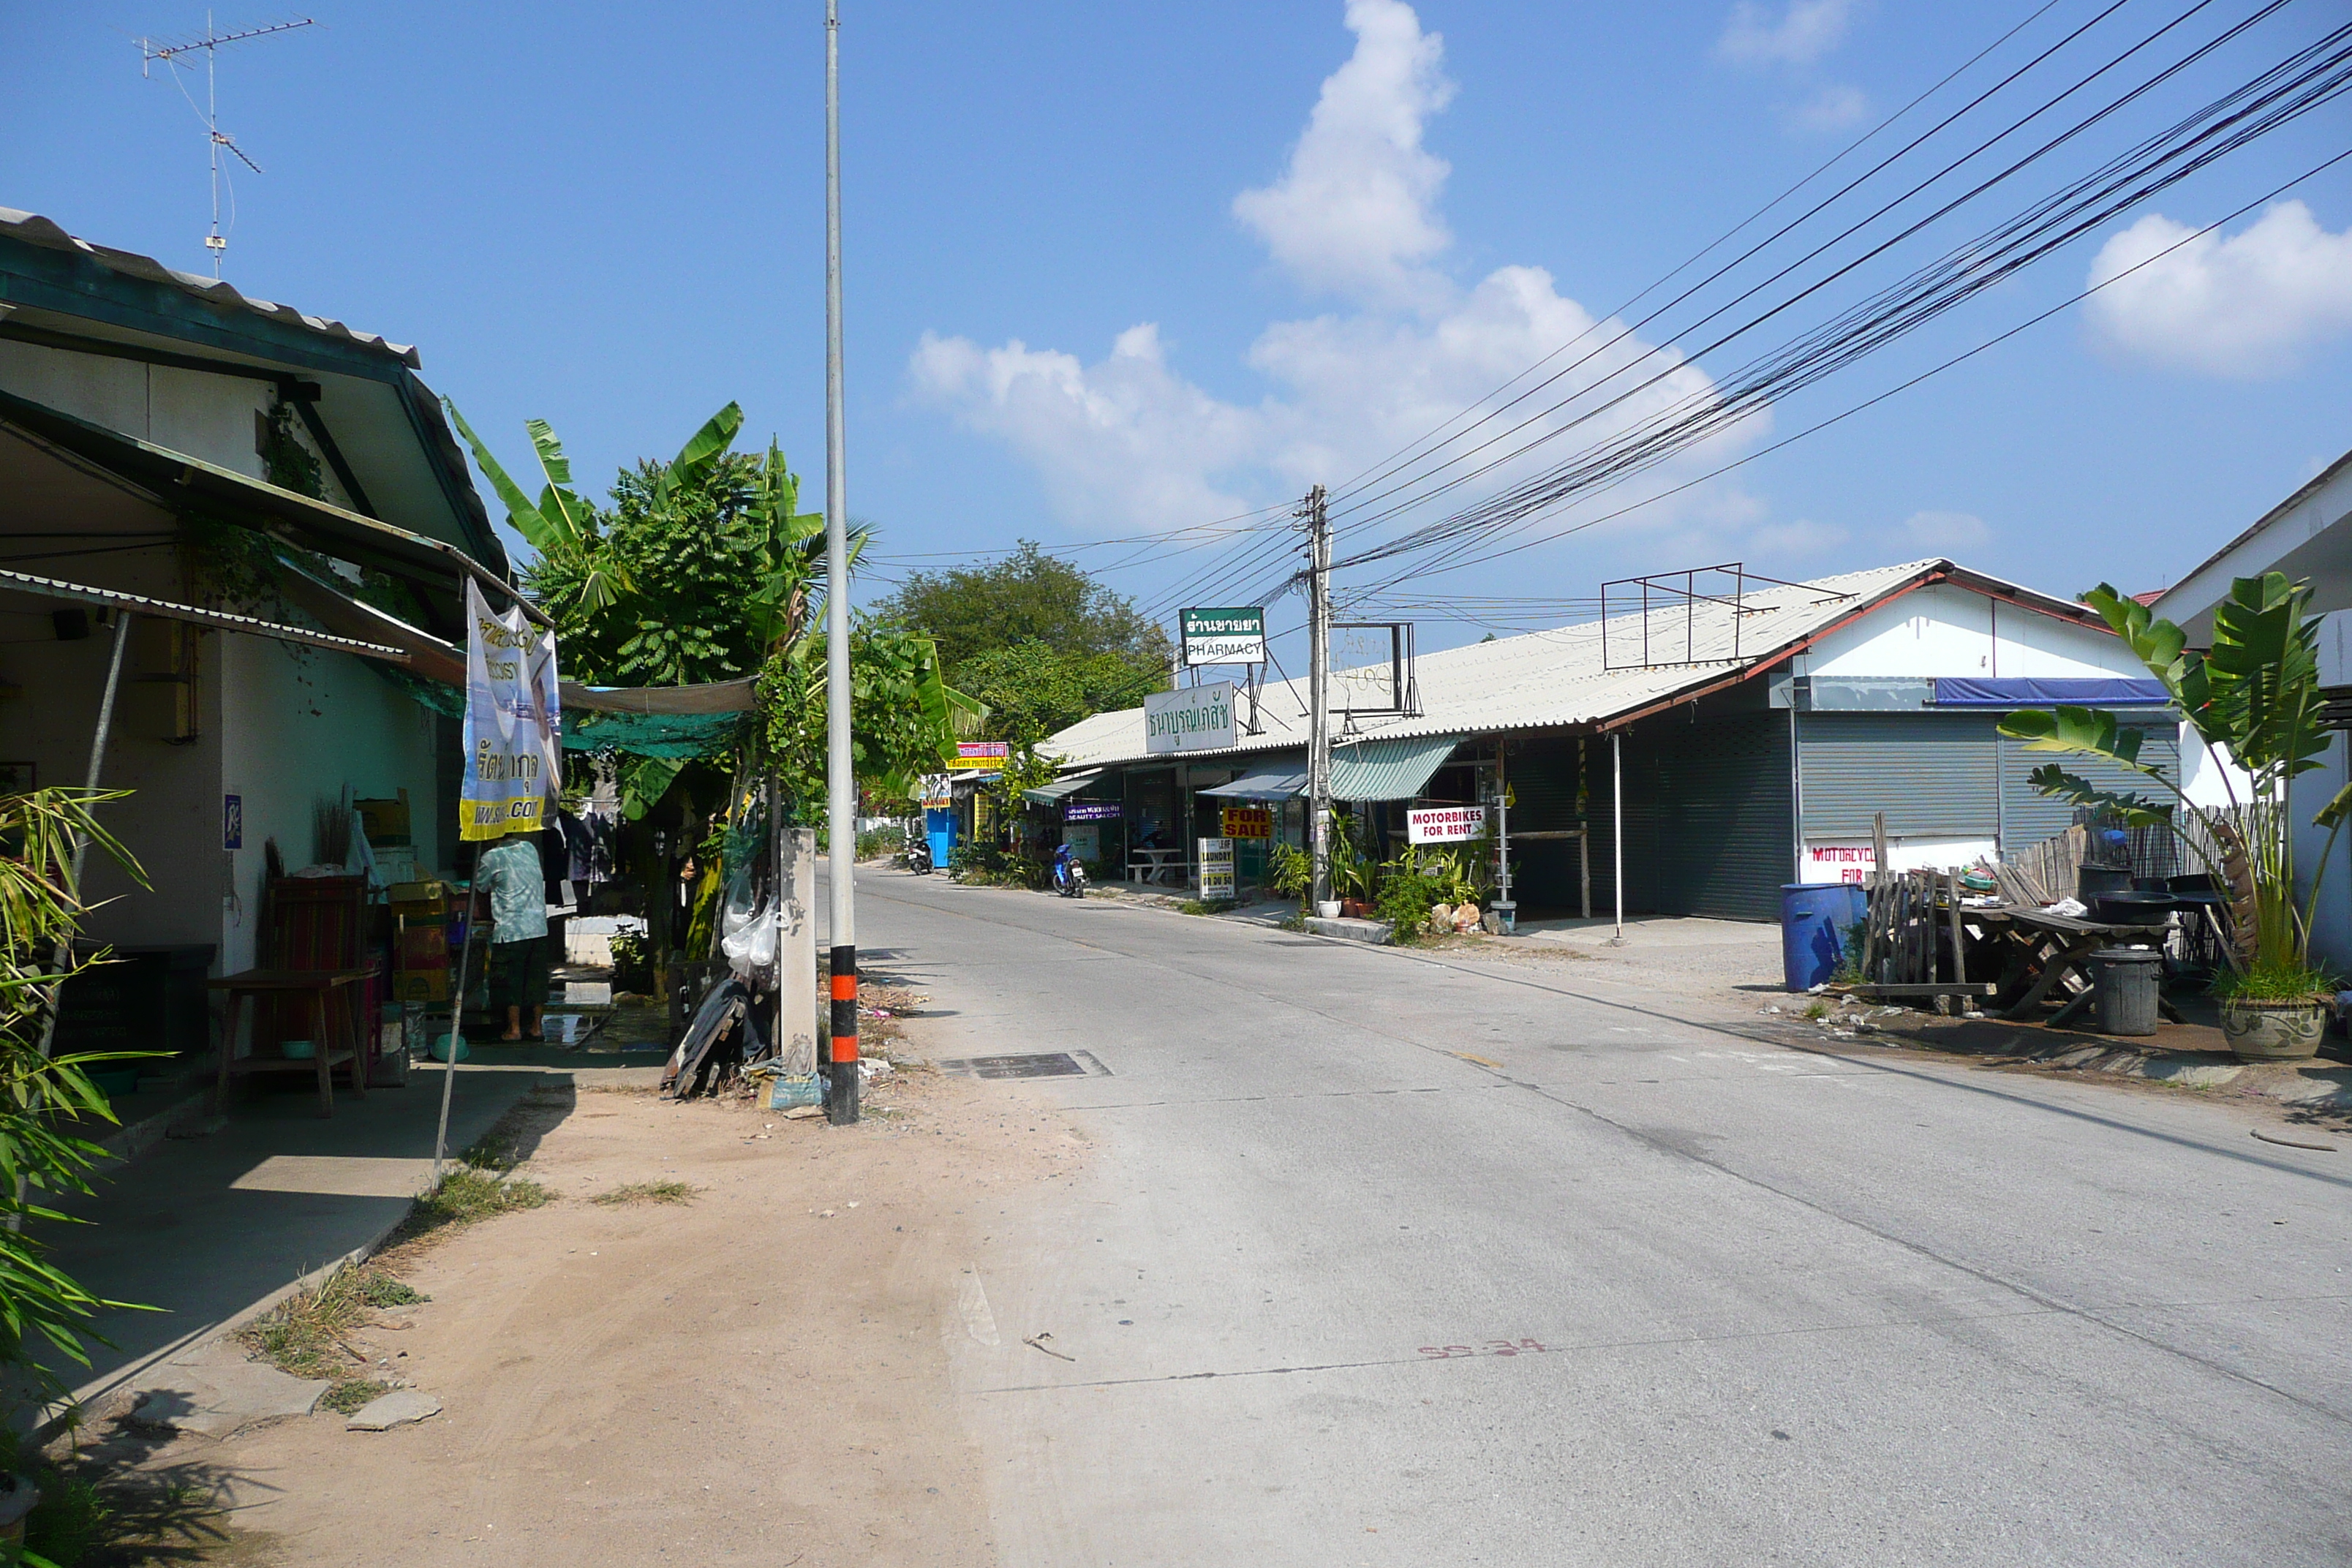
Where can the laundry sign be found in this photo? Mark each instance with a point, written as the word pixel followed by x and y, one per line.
pixel 514 722
pixel 1190 719
pixel 1233 634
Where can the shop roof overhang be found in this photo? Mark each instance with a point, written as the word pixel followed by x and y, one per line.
pixel 180 484
pixel 195 614
pixel 1560 680
pixel 380 428
pixel 2306 536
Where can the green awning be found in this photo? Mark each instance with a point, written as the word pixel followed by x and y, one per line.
pixel 1048 793
pixel 1387 770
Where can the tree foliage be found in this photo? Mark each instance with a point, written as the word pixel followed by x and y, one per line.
pixel 1039 641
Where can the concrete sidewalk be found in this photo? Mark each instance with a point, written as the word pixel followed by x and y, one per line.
pixel 213 1229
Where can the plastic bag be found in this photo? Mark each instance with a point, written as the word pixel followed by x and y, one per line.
pixel 750 948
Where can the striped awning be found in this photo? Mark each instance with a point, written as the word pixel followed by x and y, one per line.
pixel 1387 770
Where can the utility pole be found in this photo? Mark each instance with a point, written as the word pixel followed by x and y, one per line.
pixel 1318 708
pixel 841 787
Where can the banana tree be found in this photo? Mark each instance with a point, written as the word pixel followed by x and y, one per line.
pixel 2254 698
pixel 560 525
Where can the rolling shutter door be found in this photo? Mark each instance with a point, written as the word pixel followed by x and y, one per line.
pixel 2028 819
pixel 1931 773
pixel 1706 817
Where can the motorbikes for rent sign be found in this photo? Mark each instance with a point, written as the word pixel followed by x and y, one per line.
pixel 1445 823
pixel 514 722
pixel 1190 719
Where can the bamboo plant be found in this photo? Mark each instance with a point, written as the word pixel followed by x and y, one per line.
pixel 2254 700
pixel 42 904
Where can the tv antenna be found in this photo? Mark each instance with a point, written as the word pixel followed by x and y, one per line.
pixel 210 44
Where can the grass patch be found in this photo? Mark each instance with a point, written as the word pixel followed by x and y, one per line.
pixel 646 1192
pixel 1817 1011
pixel 1207 907
pixel 468 1194
pixel 303 1334
pixel 350 1394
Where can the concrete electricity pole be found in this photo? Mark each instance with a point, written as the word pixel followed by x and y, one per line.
pixel 1319 708
pixel 840 785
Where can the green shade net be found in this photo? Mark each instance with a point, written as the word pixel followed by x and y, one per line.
pixel 676 735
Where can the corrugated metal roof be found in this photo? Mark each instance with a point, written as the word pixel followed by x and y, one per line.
pixel 1555 680
pixel 1389 768
pixel 35 229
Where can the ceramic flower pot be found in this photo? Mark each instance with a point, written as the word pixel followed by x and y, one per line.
pixel 2273 1031
pixel 1329 909
pixel 18 1497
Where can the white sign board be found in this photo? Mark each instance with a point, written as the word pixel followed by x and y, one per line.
pixel 514 722
pixel 1190 719
pixel 1445 823
pixel 1840 862
pixel 1216 868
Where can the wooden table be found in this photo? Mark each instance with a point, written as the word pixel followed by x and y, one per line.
pixel 1147 865
pixel 333 1036
pixel 2061 945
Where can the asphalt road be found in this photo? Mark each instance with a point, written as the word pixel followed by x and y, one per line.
pixel 1377 1259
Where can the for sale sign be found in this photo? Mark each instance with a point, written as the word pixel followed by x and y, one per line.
pixel 1245 822
pixel 1445 823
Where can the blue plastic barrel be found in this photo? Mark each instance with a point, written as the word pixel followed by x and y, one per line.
pixel 1813 921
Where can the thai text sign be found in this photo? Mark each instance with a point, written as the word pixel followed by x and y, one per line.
pixel 1245 822
pixel 1216 868
pixel 1092 811
pixel 1445 823
pixel 1190 719
pixel 514 722
pixel 1232 636
pixel 978 756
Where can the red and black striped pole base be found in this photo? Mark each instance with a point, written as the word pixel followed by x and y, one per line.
pixel 841 1104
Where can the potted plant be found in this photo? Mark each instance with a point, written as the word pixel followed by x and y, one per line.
pixel 1352 873
pixel 1289 874
pixel 2254 699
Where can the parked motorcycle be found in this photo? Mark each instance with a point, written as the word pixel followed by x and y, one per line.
pixel 919 854
pixel 1069 874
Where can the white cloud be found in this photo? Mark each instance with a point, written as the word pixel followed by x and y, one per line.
pixel 1801 35
pixel 1946 530
pixel 1802 537
pixel 1126 442
pixel 1354 211
pixel 2248 306
pixel 1832 108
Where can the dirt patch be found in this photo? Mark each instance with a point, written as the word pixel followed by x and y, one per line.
pixel 755 1377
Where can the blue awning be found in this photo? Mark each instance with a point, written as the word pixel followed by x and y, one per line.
pixel 2113 691
pixel 1279 783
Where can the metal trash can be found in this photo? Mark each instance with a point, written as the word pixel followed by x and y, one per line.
pixel 2126 980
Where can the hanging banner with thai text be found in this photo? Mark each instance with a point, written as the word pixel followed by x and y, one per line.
pixel 514 722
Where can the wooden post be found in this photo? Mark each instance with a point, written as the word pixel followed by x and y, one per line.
pixel 1960 952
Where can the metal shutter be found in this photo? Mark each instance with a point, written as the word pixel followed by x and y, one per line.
pixel 1706 817
pixel 2028 819
pixel 1931 773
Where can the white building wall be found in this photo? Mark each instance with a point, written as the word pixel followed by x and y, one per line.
pixel 1954 632
pixel 304 725
pixel 202 416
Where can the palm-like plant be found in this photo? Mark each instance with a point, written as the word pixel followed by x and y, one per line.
pixel 2253 698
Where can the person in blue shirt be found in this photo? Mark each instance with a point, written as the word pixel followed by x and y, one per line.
pixel 510 873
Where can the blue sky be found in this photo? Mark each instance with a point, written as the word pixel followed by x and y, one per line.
pixel 1112 271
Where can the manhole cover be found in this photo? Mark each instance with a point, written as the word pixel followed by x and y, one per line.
pixel 1046 1064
